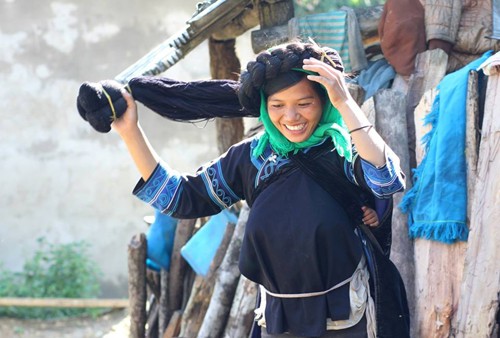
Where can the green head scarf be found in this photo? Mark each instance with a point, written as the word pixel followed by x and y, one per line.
pixel 331 125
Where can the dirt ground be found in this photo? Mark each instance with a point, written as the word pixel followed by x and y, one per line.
pixel 114 324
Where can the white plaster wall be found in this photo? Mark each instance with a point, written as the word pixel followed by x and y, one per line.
pixel 60 179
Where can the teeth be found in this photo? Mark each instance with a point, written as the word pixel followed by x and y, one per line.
pixel 296 127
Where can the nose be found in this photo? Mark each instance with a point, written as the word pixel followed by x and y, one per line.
pixel 291 114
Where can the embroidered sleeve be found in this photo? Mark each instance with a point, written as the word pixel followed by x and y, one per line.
pixel 384 180
pixel 215 186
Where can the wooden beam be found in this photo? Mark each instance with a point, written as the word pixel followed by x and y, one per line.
pixel 64 302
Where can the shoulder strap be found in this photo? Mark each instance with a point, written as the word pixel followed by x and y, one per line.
pixel 331 178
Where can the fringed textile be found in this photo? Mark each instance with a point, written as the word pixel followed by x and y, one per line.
pixel 437 203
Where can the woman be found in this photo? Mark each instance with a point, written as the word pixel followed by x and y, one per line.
pixel 300 242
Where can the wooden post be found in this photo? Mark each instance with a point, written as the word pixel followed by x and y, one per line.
pixel 423 108
pixel 137 285
pixel 274 12
pixel 471 137
pixel 226 281
pixel 202 290
pixel 368 107
pixel 152 320
pixel 163 315
pixel 174 327
pixel 272 15
pixel 153 282
pixel 178 266
pixel 224 64
pixel 440 266
pixel 430 68
pixel 391 125
pixel 241 315
pixel 357 92
pixel 478 308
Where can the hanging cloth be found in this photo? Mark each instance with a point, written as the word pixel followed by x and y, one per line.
pixel 437 203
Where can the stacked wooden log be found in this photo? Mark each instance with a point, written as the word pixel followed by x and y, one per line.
pixel 179 303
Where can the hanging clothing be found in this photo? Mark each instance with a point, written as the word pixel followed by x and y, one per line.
pixel 337 29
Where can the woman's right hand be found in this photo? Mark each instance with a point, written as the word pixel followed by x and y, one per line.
pixel 129 121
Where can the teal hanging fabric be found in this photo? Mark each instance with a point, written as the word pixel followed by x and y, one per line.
pixel 437 203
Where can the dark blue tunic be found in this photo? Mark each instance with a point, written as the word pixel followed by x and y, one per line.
pixel 298 239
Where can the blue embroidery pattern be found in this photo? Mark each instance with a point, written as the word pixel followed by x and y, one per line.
pixel 218 190
pixel 162 189
pixel 383 181
pixel 269 167
pixel 266 164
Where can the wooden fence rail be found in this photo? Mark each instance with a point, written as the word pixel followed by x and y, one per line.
pixel 64 302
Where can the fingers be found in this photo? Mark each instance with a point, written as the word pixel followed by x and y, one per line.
pixel 330 78
pixel 372 222
pixel 370 217
pixel 321 68
pixel 126 95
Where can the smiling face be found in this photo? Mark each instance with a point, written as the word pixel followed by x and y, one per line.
pixel 296 111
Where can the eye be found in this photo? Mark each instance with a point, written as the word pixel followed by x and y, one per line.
pixel 305 104
pixel 276 105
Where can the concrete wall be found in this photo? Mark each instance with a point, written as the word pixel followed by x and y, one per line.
pixel 60 179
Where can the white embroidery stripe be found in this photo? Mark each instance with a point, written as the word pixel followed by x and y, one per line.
pixel 155 197
pixel 307 294
pixel 172 199
pixel 212 192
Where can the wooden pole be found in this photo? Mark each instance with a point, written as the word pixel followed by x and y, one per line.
pixel 430 68
pixel 391 125
pixel 478 308
pixel 174 326
pixel 241 315
pixel 137 285
pixel 152 321
pixel 472 135
pixel 226 281
pixel 224 64
pixel 178 266
pixel 440 266
pixel 164 314
pixel 202 290
pixel 64 302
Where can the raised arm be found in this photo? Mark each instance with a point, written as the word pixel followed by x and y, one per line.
pixel 129 129
pixel 370 145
